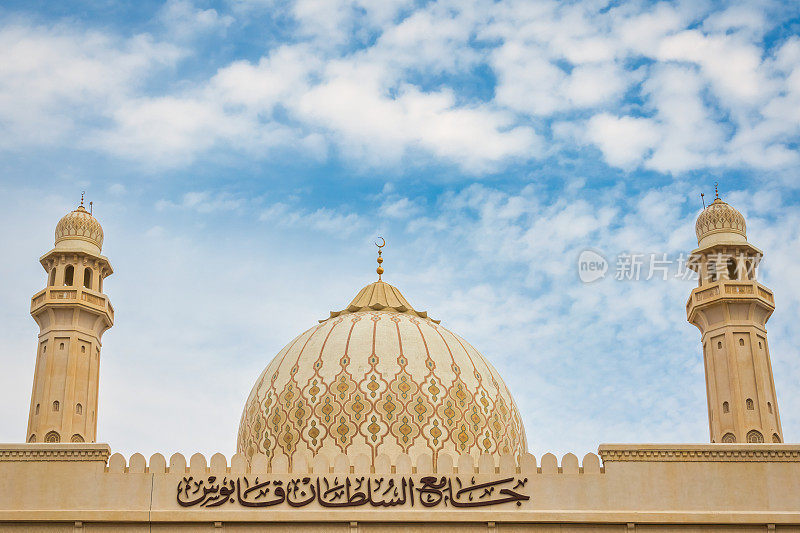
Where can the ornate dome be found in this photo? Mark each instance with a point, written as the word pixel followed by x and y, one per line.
pixel 79 225
pixel 380 378
pixel 722 222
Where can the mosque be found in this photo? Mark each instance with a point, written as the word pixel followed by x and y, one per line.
pixel 379 418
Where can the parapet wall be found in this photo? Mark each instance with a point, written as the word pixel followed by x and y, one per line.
pixel 736 487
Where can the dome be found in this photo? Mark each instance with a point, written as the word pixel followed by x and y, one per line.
pixel 78 228
pixel 380 378
pixel 720 223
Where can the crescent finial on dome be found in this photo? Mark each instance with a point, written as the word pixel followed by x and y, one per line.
pixel 379 270
pixel 380 296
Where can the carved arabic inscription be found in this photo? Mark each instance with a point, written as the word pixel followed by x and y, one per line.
pixel 342 491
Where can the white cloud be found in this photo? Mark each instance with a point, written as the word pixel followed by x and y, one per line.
pixel 185 21
pixel 381 83
pixel 275 79
pixel 400 208
pixel 203 202
pixel 624 141
pixel 50 77
pixel 324 220
pixel 690 136
pixel 733 67
pixel 378 127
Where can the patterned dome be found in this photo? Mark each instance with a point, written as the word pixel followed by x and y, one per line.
pixel 720 217
pixel 79 225
pixel 380 378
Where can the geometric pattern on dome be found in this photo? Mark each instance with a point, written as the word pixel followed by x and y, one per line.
pixel 719 217
pixel 379 382
pixel 79 224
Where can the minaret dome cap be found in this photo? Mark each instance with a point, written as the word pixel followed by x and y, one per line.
pixel 719 223
pixel 78 230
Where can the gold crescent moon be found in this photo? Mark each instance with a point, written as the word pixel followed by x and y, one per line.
pixel 383 243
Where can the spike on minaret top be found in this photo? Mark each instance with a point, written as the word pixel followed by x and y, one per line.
pixel 379 270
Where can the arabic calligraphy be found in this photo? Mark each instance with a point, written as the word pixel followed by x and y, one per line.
pixel 350 491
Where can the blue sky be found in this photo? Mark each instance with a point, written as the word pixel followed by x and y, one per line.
pixel 242 156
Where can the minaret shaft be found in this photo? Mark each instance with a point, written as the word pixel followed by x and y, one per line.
pixel 741 390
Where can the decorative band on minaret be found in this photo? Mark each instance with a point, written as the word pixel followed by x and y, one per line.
pixel 72 313
pixel 731 308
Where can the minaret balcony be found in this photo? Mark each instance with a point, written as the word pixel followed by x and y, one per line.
pixel 708 294
pixel 71 295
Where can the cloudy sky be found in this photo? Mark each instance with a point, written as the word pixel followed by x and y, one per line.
pixel 242 157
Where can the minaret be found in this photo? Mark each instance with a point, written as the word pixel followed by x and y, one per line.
pixel 731 310
pixel 72 313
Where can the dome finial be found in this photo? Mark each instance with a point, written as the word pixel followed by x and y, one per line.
pixel 82 193
pixel 716 190
pixel 379 270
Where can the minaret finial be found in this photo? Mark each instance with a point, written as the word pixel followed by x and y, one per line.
pixel 716 190
pixel 82 193
pixel 703 199
pixel 379 270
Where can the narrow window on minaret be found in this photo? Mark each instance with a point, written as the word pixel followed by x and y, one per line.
pixel 37 408
pixel 732 269
pixel 69 274
pixel 749 404
pixel 78 409
pixel 769 406
pixel 741 342
pixel 56 406
pixel 725 407
pixel 87 278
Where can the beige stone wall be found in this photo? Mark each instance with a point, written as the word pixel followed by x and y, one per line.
pixel 645 487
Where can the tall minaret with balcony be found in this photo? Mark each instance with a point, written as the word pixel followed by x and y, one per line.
pixel 731 310
pixel 72 313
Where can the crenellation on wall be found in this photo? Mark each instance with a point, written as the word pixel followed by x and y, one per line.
pixel 445 463
pixel 300 463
